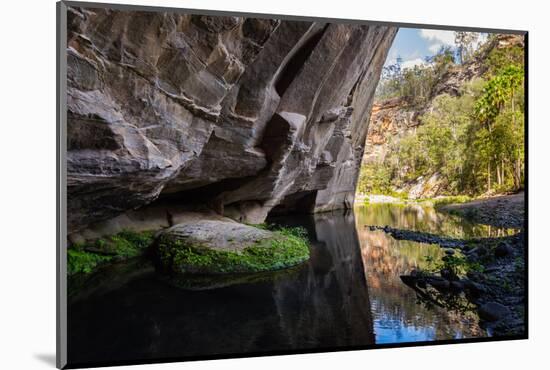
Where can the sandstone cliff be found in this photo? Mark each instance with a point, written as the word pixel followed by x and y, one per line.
pixel 396 118
pixel 245 115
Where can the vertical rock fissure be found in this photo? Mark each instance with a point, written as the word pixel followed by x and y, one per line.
pixel 295 64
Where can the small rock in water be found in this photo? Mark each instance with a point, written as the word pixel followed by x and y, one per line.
pixel 474 275
pixel 503 250
pixel 439 284
pixel 408 279
pixel 481 251
pixel 474 287
pixel 493 311
pixel 457 286
pixel 421 283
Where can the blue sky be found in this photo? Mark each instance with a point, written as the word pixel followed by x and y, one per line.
pixel 413 45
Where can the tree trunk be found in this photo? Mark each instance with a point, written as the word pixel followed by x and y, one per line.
pixel 518 172
pixel 488 176
pixel 502 171
pixel 513 110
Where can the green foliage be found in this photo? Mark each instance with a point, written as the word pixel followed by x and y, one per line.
pixel 458 265
pixel 79 261
pixel 415 84
pixel 129 244
pixel 498 91
pixel 85 257
pixel 287 248
pixel 500 139
pixel 439 145
pixel 501 58
pixel 454 199
pixel 374 179
pixel 474 142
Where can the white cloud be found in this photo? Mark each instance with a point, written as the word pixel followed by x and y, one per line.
pixel 437 39
pixel 445 38
pixel 413 62
pixel 434 48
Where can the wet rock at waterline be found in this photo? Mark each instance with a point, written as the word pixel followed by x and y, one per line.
pixel 493 311
pixel 503 250
pixel 245 115
pixel 225 247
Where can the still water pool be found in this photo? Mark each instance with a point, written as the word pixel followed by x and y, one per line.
pixel 347 295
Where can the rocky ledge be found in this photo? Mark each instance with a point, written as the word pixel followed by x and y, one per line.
pixel 224 247
pixel 500 211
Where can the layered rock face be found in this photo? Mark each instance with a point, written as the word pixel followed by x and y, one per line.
pixel 244 115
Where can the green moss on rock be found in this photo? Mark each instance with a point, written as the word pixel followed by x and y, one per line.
pixel 79 261
pixel 85 257
pixel 283 249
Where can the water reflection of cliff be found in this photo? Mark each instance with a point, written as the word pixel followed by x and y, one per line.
pixel 333 296
pixel 324 304
pixel 397 315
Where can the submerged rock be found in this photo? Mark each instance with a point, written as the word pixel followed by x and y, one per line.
pixel 503 250
pixel 224 247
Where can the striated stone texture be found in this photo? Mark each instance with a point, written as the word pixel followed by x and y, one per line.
pixel 244 115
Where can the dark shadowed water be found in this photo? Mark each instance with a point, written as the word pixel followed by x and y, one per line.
pixel 348 294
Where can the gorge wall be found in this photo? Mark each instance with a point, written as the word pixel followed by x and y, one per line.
pixel 396 118
pixel 243 116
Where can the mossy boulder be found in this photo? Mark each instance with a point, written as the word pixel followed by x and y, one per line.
pixel 224 247
pixel 87 256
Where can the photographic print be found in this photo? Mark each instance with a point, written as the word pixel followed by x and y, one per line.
pixel 237 185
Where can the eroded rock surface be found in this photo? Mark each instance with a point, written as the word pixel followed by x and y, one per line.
pixel 222 247
pixel 217 235
pixel 245 115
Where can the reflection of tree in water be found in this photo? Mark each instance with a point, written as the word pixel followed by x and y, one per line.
pixel 388 256
pixel 385 259
pixel 450 301
pixel 426 219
